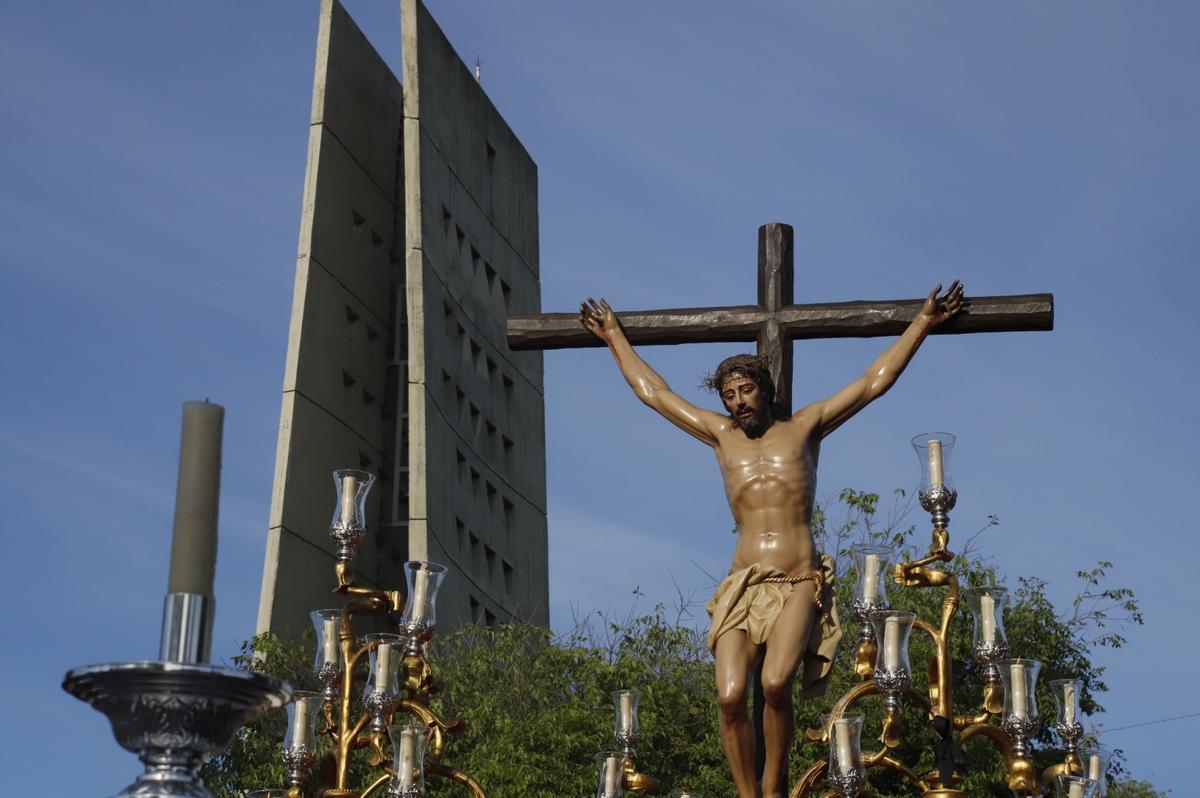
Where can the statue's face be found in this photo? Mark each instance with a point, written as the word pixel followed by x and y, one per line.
pixel 746 405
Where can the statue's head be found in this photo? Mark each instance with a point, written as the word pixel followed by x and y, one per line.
pixel 746 389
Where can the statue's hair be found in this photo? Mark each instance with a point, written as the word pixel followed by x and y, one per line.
pixel 754 367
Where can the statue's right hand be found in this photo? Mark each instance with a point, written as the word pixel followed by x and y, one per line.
pixel 598 318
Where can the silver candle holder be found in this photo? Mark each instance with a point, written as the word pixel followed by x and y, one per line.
pixel 873 565
pixel 349 524
pixel 1020 716
pixel 893 671
pixel 936 494
pixel 846 776
pixel 1066 721
pixel 625 722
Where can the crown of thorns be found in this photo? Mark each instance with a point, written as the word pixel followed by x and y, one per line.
pixel 755 367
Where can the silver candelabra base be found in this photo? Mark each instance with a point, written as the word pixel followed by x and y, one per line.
pixel 172 715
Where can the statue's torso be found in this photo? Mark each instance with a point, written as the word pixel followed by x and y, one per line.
pixel 770 482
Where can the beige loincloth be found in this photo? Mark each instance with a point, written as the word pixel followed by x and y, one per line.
pixel 751 600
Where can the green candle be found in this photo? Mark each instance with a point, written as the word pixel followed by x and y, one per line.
pixel 194 545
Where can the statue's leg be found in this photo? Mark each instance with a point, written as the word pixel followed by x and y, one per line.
pixel 785 651
pixel 735 657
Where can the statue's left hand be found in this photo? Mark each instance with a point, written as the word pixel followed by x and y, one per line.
pixel 940 308
pixel 598 318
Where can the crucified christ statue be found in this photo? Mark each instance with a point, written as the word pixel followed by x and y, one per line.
pixel 776 605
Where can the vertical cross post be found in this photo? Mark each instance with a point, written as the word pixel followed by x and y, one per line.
pixel 776 290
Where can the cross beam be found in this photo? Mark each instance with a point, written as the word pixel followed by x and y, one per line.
pixel 776 321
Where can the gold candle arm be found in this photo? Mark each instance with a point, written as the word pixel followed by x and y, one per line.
pixel 462 778
pixel 904 770
pixel 375 785
pixel 864 659
pixel 1022 777
pixel 632 781
pixel 811 778
pixel 378 757
pixel 1071 765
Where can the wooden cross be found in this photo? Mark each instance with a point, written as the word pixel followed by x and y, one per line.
pixel 775 321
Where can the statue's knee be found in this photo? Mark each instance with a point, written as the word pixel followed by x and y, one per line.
pixel 777 691
pixel 732 702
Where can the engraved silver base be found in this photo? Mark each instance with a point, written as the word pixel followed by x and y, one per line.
pixel 986 657
pixel 938 501
pixel 863 612
pixel 347 537
pixel 892 682
pixel 848 784
pixel 1070 734
pixel 379 705
pixel 1020 730
pixel 627 742
pixel 415 632
pixel 327 674
pixel 410 791
pixel 298 760
pixel 172 715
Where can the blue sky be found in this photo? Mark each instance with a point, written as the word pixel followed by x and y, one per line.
pixel 152 169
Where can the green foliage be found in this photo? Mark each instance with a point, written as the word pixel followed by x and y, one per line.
pixel 252 761
pixel 538 706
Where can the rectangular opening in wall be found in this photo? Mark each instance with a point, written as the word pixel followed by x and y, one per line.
pixel 509 513
pixel 474 608
pixel 489 619
pixel 474 261
pixel 473 551
pixel 506 291
pixel 489 559
pixel 508 388
pixel 460 534
pixel 508 576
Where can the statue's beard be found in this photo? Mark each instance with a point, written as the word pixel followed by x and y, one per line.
pixel 753 425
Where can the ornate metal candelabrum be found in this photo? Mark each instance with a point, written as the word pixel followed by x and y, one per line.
pixel 882 662
pixel 618 771
pixel 398 680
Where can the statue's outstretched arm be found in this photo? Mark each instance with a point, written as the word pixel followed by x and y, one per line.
pixel 647 384
pixel 882 374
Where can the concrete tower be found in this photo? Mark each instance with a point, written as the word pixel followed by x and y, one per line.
pixel 418 236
